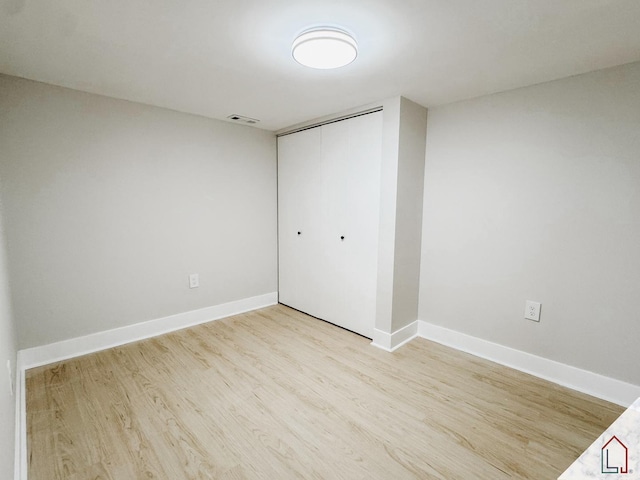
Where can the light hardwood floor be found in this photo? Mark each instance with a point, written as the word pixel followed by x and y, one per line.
pixel 275 394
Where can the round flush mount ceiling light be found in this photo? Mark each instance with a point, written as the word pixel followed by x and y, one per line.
pixel 324 48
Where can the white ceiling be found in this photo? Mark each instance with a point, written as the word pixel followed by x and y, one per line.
pixel 218 57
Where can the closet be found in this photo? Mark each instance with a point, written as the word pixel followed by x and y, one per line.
pixel 328 220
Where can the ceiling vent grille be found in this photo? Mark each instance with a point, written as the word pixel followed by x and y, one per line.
pixel 241 119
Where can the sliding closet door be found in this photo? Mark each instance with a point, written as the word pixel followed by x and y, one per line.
pixel 328 204
pixel 299 212
pixel 351 153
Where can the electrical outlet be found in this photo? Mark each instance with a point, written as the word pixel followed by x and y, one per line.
pixel 10 371
pixel 194 280
pixel 532 311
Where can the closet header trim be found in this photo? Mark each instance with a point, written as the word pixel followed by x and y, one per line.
pixel 333 120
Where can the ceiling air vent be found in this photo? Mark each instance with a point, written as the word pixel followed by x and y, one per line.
pixel 241 119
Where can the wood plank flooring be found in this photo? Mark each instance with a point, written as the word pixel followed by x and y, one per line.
pixel 275 394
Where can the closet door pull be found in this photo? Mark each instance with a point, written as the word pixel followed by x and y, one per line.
pixel 342 237
pixel 299 233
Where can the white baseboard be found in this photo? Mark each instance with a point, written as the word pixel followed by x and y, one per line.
pixel 393 341
pixel 20 463
pixel 606 388
pixel 75 347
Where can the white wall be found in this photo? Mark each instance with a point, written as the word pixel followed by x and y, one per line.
pixel 535 194
pixel 388 210
pixel 411 159
pixel 402 170
pixel 7 352
pixel 111 204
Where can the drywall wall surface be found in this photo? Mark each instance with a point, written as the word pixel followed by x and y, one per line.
pixel 110 205
pixel 388 204
pixel 410 187
pixel 8 347
pixel 534 194
pixel 401 189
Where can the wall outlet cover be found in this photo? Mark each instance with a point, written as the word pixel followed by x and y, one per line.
pixel 532 311
pixel 194 280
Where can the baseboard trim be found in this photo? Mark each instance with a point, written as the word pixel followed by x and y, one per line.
pixel 21 424
pixel 600 386
pixel 392 341
pixel 20 463
pixel 75 347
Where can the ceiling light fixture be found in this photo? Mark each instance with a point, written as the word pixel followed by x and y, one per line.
pixel 324 48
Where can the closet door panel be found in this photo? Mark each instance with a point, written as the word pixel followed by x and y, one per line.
pixel 351 152
pixel 335 139
pixel 299 207
pixel 328 190
pixel 361 212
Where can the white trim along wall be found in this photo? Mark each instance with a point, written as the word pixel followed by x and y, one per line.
pixel 600 386
pixel 606 388
pixel 75 347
